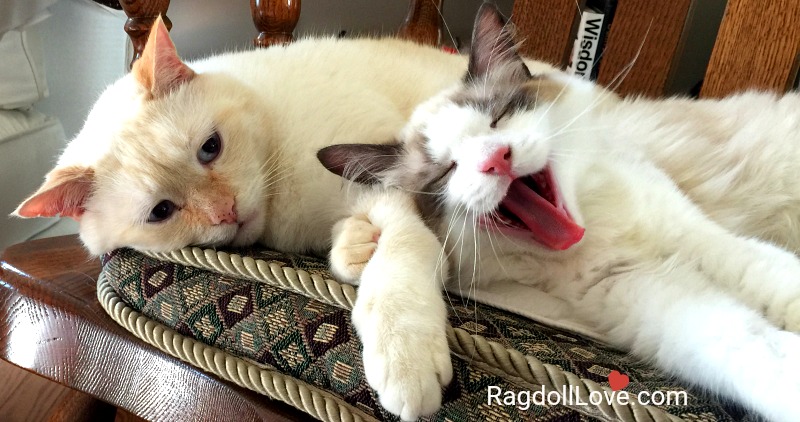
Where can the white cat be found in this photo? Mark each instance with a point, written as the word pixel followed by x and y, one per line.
pixel 222 151
pixel 651 220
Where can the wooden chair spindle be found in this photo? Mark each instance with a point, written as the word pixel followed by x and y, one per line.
pixel 275 21
pixel 141 15
pixel 423 22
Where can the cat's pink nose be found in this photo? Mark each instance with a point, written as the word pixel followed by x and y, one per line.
pixel 224 212
pixel 499 162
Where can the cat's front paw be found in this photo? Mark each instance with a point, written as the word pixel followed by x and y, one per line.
pixel 411 385
pixel 354 242
pixel 406 357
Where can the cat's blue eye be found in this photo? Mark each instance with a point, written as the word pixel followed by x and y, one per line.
pixel 162 211
pixel 210 149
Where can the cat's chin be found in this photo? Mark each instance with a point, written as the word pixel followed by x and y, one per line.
pixel 533 209
pixel 247 232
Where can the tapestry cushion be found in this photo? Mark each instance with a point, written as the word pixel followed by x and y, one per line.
pixel 280 324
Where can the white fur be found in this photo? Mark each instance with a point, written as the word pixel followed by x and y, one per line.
pixel 274 108
pixel 400 315
pixel 683 204
pixel 748 182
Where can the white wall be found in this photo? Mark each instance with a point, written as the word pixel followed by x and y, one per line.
pixel 84 51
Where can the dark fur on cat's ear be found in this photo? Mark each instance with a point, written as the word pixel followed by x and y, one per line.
pixel 362 163
pixel 493 47
pixel 159 70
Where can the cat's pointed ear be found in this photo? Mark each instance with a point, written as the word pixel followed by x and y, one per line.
pixel 493 47
pixel 64 192
pixel 159 70
pixel 362 163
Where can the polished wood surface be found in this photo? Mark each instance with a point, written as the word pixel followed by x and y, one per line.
pixel 758 46
pixel 25 396
pixel 275 21
pixel 52 324
pixel 423 22
pixel 141 15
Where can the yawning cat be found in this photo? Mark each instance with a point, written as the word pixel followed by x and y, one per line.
pixel 642 217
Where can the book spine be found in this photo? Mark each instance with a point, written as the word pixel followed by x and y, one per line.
pixel 587 46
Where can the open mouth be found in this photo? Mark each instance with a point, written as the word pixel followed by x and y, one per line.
pixel 533 208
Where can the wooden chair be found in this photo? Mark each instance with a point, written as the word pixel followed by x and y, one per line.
pixel 757 45
pixel 51 323
pixel 750 51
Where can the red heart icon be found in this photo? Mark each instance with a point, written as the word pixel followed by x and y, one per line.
pixel 618 380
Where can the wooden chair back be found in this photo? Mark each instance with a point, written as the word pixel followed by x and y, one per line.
pixel 757 45
pixel 275 21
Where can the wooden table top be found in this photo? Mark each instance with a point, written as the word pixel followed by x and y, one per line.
pixel 52 324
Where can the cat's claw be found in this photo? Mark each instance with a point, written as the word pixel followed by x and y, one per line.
pixel 406 361
pixel 354 242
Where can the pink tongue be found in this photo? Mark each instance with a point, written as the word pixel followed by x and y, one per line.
pixel 551 226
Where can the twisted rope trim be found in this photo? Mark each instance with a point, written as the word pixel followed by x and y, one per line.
pixel 316 402
pixel 271 273
pixel 471 347
pixel 531 370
